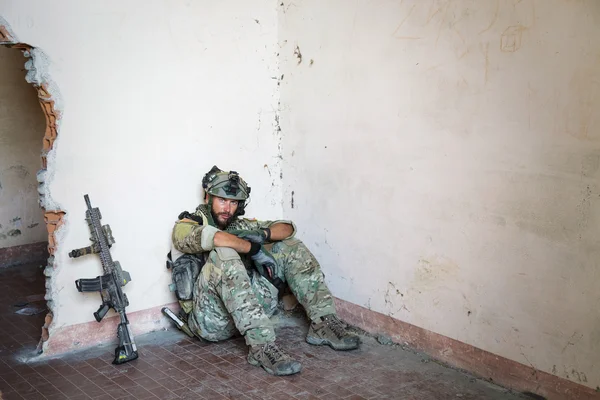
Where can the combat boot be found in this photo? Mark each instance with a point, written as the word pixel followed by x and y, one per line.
pixel 332 332
pixel 273 360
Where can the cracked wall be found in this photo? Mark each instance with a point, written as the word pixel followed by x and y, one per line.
pixel 395 137
pixel 442 159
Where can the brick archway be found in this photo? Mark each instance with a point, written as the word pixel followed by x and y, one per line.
pixel 53 216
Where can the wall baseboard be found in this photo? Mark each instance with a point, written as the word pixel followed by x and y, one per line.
pixel 488 366
pixel 80 336
pixel 23 254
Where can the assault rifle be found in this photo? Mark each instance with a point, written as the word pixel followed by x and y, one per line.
pixel 109 284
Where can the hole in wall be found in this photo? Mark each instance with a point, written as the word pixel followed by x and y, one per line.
pixel 23 235
pixel 36 230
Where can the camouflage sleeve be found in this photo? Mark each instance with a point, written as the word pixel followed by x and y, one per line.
pixel 191 237
pixel 255 224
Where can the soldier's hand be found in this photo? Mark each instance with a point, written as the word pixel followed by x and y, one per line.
pixel 259 236
pixel 264 262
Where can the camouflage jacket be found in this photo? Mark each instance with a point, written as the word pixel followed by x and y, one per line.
pixel 192 237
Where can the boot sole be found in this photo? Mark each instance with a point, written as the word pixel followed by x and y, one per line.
pixel 256 363
pixel 320 342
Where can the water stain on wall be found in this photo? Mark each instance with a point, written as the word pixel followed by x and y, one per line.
pixel 545 204
pixel 579 116
pixel 435 271
pixel 510 40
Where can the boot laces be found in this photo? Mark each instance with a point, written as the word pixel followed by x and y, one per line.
pixel 274 353
pixel 336 326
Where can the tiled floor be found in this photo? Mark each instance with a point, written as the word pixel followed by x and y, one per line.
pixel 172 366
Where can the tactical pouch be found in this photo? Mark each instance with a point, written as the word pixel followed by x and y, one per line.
pixel 184 272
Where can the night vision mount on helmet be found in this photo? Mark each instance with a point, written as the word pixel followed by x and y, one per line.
pixel 228 185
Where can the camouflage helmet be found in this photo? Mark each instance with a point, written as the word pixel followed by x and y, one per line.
pixel 226 184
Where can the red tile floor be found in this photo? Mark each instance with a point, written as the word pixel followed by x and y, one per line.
pixel 173 366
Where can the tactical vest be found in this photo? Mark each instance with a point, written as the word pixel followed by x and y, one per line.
pixel 185 268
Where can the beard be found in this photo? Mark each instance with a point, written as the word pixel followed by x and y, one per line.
pixel 222 220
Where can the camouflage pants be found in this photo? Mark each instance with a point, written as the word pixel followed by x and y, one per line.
pixel 229 299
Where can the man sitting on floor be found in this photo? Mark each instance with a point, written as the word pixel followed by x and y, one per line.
pixel 247 263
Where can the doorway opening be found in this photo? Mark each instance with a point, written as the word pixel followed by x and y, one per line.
pixel 29 218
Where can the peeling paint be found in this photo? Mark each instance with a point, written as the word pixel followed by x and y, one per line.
pixel 13 232
pixel 298 54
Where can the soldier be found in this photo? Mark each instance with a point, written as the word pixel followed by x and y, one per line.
pixel 247 263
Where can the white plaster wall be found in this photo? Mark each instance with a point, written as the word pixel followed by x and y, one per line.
pixel 153 94
pixel 22 126
pixel 442 160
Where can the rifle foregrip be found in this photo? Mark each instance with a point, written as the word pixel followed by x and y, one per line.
pixel 81 252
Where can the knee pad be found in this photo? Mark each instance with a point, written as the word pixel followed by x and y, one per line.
pixel 227 253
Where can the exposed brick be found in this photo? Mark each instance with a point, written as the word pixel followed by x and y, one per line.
pixel 51 118
pixel 54 219
pixel 47 322
pixel 5 37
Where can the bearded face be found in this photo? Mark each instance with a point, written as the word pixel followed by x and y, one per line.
pixel 223 211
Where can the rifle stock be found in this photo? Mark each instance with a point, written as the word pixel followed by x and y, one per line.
pixel 109 285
